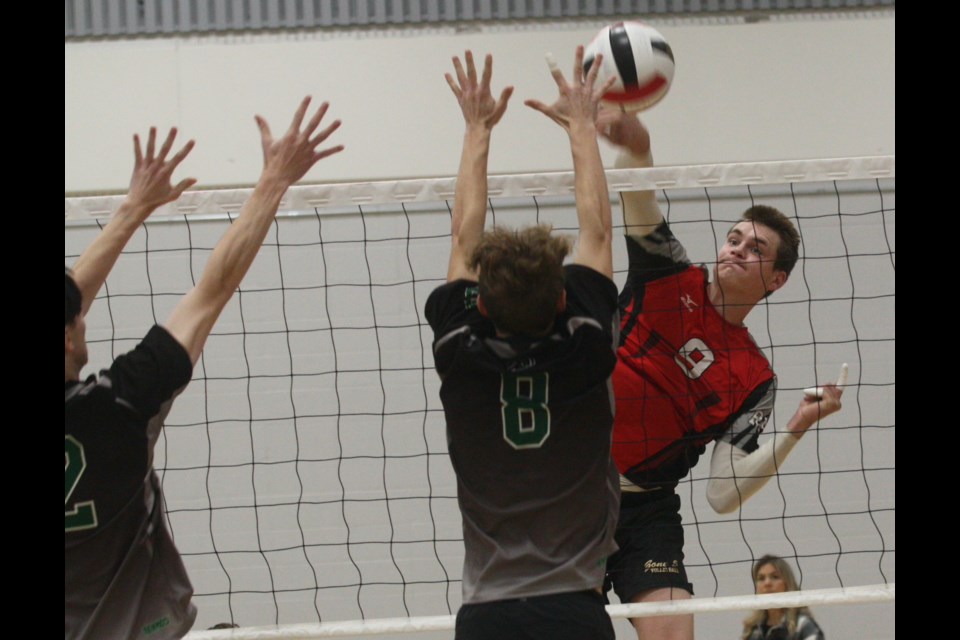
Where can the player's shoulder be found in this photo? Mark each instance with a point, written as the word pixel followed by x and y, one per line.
pixel 583 283
pixel 158 354
pixel 753 352
pixel 93 386
pixel 658 245
pixel 456 296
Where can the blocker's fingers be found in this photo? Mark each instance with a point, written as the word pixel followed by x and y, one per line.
pixel 461 74
pixel 602 91
pixel 471 68
pixel 551 61
pixel 487 72
pixel 578 75
pixel 453 85
pixel 591 75
pixel 555 70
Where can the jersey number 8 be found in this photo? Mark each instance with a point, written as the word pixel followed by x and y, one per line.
pixel 526 416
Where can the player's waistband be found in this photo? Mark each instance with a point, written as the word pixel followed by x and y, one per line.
pixel 628 487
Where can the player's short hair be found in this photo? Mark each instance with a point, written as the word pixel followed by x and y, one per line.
pixel 789 250
pixel 520 274
pixel 72 299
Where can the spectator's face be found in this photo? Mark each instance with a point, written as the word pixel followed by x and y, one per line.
pixel 769 580
pixel 745 261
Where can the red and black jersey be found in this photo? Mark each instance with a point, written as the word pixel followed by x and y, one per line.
pixel 684 375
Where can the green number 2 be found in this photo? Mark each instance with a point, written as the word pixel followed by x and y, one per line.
pixel 526 416
pixel 83 515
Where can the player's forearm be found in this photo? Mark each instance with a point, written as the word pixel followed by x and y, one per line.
pixel 236 250
pixel 641 212
pixel 193 318
pixel 470 199
pixel 592 197
pixel 735 476
pixel 92 268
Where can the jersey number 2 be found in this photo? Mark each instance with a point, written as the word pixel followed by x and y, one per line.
pixel 83 515
pixel 526 416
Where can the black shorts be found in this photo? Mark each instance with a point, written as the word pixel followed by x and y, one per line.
pixel 650 537
pixel 579 615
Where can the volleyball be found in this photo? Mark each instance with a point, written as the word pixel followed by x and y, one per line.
pixel 640 59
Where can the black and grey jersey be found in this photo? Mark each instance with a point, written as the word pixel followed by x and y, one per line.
pixel 123 577
pixel 529 425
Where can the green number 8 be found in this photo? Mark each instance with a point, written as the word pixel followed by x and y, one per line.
pixel 526 416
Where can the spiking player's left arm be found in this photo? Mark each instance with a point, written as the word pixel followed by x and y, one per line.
pixel 481 113
pixel 641 212
pixel 736 475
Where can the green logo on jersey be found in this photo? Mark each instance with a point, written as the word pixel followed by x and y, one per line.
pixel 470 297
pixel 156 625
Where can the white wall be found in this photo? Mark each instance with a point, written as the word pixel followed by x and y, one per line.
pixel 806 87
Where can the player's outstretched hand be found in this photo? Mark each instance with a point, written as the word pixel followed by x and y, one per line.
pixel 579 100
pixel 476 100
pixel 288 158
pixel 624 130
pixel 150 185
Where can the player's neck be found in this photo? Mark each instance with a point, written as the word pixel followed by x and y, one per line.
pixel 534 336
pixel 72 369
pixel 728 304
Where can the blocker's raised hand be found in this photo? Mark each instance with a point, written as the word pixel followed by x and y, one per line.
pixel 476 101
pixel 150 184
pixel 578 100
pixel 289 158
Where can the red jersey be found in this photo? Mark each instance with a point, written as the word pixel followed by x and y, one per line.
pixel 684 375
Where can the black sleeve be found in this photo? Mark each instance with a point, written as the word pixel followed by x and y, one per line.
pixel 451 306
pixel 655 255
pixel 592 294
pixel 451 309
pixel 148 376
pixel 651 257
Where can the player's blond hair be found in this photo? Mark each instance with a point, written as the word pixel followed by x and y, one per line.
pixel 790 582
pixel 520 274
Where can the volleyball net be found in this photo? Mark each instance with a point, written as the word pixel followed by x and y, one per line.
pixel 305 466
